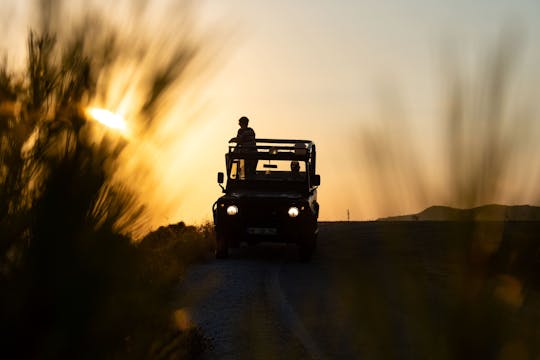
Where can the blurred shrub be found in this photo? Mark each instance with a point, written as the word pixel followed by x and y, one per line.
pixel 168 250
pixel 72 283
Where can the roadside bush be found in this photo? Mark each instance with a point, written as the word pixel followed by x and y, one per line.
pixel 169 250
pixel 72 282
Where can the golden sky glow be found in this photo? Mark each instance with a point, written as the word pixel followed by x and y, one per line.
pixel 337 73
pixel 109 119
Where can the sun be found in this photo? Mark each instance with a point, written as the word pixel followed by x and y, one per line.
pixel 108 118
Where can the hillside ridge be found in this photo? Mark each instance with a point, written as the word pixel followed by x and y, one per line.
pixel 490 212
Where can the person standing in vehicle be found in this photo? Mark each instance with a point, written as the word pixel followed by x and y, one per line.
pixel 245 140
pixel 245 135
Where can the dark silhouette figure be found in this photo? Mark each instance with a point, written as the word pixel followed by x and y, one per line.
pixel 245 140
pixel 245 135
pixel 295 171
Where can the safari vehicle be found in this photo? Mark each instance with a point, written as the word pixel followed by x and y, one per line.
pixel 270 195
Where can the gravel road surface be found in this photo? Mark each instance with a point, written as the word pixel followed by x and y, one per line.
pixel 373 291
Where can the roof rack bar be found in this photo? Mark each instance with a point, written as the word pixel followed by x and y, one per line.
pixel 268 147
pixel 282 141
pixel 267 156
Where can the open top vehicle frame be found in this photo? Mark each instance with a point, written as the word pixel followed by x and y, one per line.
pixel 270 195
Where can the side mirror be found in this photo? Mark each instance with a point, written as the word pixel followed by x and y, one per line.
pixel 220 177
pixel 316 180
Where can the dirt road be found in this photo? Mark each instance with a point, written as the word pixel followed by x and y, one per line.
pixel 375 290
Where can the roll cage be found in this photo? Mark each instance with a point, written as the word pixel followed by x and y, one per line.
pixel 271 149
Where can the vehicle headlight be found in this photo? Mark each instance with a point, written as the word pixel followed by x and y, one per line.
pixel 293 211
pixel 232 210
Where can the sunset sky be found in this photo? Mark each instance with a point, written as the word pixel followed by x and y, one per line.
pixel 322 70
pixel 314 69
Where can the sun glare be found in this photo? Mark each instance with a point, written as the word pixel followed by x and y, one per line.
pixel 108 118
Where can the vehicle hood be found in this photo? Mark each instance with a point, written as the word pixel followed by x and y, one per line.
pixel 263 195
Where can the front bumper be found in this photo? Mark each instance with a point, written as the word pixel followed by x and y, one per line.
pixel 265 223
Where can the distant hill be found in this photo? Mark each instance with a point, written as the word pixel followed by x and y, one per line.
pixel 481 213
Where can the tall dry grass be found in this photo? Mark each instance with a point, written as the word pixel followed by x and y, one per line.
pixel 73 283
pixel 487 154
pixel 478 146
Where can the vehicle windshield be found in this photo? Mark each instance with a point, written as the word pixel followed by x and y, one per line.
pixel 267 170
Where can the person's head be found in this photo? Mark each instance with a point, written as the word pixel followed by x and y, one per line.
pixel 243 122
pixel 295 166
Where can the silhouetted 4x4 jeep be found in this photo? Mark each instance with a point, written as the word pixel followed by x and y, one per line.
pixel 270 195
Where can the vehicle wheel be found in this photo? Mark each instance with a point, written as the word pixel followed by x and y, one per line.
pixel 222 246
pixel 307 247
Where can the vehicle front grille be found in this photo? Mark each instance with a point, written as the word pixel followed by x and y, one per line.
pixel 265 213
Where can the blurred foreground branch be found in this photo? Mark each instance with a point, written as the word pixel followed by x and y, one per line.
pixel 72 281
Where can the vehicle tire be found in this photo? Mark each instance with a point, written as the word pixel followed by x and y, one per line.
pixel 307 247
pixel 222 246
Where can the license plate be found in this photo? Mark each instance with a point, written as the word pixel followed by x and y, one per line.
pixel 261 231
